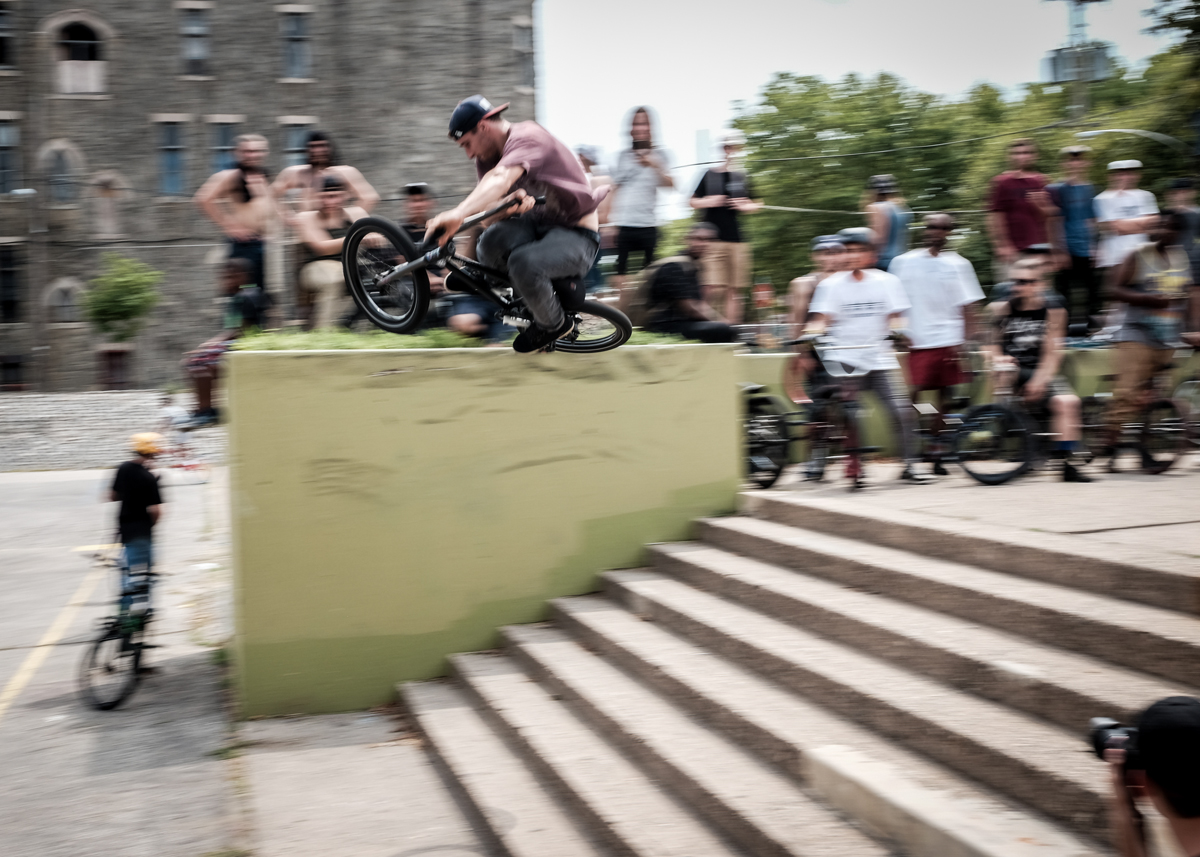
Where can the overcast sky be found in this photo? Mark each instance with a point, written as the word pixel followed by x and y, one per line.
pixel 692 59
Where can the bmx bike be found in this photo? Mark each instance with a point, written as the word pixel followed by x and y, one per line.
pixel 389 281
pixel 112 666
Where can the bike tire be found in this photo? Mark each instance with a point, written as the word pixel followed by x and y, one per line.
pixel 1164 436
pixel 1187 395
pixel 599 327
pixel 1093 427
pixel 768 441
pixel 110 669
pixel 994 444
pixel 397 307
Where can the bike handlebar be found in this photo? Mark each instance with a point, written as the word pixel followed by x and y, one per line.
pixel 476 219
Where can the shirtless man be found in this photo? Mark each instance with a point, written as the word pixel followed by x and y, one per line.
pixel 534 245
pixel 239 201
pixel 306 179
pixel 323 232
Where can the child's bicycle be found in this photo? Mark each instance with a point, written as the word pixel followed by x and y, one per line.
pixel 388 278
pixel 112 666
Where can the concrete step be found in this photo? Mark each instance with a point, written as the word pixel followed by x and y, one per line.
pixel 520 816
pixel 759 808
pixel 1032 761
pixel 901 798
pixel 622 807
pixel 1156 641
pixel 1131 573
pixel 1060 686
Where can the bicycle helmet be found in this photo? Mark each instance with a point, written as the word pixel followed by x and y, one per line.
pixel 146 443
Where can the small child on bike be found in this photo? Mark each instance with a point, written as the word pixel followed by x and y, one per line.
pixel 1026 352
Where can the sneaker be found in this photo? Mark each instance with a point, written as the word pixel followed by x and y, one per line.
pixel 1071 473
pixel 203 419
pixel 910 475
pixel 536 338
pixel 939 469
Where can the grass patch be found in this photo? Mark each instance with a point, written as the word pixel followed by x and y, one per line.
pixel 372 340
pixel 220 656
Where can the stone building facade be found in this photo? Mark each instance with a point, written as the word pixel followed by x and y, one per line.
pixel 113 114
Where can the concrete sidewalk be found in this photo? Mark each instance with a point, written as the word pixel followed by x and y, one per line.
pixel 1157 514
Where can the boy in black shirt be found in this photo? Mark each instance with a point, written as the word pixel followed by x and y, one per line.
pixel 675 304
pixel 136 489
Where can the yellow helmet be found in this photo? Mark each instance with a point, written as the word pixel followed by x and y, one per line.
pixel 146 443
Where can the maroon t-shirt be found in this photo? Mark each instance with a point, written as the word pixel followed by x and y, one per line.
pixel 1025 221
pixel 550 171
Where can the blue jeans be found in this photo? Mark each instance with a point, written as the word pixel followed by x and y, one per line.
pixel 139 557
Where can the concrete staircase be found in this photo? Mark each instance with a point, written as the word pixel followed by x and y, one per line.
pixel 809 680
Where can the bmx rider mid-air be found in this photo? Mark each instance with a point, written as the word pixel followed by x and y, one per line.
pixel 534 246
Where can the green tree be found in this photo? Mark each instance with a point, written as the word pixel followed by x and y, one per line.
pixel 1177 17
pixel 121 297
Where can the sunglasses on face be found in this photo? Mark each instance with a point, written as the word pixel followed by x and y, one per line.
pixel 1025 282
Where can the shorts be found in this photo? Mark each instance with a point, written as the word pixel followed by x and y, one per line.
pixel 1057 386
pixel 202 360
pixel 635 238
pixel 935 368
pixel 727 263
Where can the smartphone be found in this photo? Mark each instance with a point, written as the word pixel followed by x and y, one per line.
pixel 641 144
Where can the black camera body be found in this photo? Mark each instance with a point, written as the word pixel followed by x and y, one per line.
pixel 1108 734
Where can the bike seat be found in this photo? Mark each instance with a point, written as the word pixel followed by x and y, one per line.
pixel 571 292
pixel 751 389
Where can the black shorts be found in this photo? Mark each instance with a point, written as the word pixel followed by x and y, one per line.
pixel 643 238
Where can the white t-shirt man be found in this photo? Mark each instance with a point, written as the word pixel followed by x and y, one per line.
pixel 1122 205
pixel 938 287
pixel 857 311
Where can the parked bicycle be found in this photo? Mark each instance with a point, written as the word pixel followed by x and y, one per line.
pixel 388 278
pixel 1160 436
pixel 112 666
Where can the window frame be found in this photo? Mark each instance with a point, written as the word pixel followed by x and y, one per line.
pixel 10 176
pixel 11 285
pixel 293 155
pixel 296 44
pixel 191 35
pixel 165 150
pixel 8 38
pixel 221 153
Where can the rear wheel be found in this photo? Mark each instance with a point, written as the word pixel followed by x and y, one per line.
pixel 1187 396
pixel 827 437
pixel 994 444
pixel 110 669
pixel 767 440
pixel 1164 435
pixel 599 327
pixel 372 249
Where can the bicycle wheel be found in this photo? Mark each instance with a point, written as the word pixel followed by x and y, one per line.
pixel 1164 435
pixel 994 444
pixel 1187 396
pixel 767 440
pixel 600 327
pixel 373 247
pixel 826 437
pixel 1093 428
pixel 110 669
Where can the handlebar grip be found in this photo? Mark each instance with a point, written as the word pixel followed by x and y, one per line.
pixel 431 240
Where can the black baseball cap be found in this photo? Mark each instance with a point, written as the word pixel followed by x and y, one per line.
pixel 417 189
pixel 470 112
pixel 1182 183
pixel 1169 743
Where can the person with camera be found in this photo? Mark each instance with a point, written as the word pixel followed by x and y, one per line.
pixel 641 170
pixel 1159 761
pixel 240 202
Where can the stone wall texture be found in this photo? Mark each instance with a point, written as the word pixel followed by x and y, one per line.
pixel 384 77
pixel 79 431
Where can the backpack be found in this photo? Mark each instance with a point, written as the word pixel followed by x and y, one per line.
pixel 640 307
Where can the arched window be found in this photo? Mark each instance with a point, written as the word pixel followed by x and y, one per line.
pixel 61 178
pixel 79 43
pixel 63 299
pixel 81 53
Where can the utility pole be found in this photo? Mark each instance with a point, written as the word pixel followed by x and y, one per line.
pixel 1080 66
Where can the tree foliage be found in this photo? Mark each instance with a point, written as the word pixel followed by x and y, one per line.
pixel 919 138
pixel 1177 17
pixel 121 297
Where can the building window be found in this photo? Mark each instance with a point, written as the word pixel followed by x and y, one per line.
pixel 523 45
pixel 295 144
pixel 114 369
pixel 193 28
pixel 10 157
pixel 8 40
pixel 297 55
pixel 11 373
pixel 63 188
pixel 10 286
pixel 64 308
pixel 170 158
pixel 81 66
pixel 223 136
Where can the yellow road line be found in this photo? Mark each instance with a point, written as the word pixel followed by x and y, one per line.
pixel 54 633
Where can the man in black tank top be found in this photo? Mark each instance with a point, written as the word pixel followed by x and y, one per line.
pixel 323 231
pixel 1030 328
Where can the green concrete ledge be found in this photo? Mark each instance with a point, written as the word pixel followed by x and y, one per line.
pixel 391 508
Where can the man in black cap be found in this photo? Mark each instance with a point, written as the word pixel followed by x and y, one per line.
pixel 1168 742
pixel 534 245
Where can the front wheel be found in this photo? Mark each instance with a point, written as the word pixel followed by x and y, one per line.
pixel 373 248
pixel 599 327
pixel 109 672
pixel 994 444
pixel 768 442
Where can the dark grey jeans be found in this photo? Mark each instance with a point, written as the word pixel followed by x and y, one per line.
pixel 535 253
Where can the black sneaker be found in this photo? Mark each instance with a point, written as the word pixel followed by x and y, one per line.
pixel 939 469
pixel 1071 473
pixel 535 338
